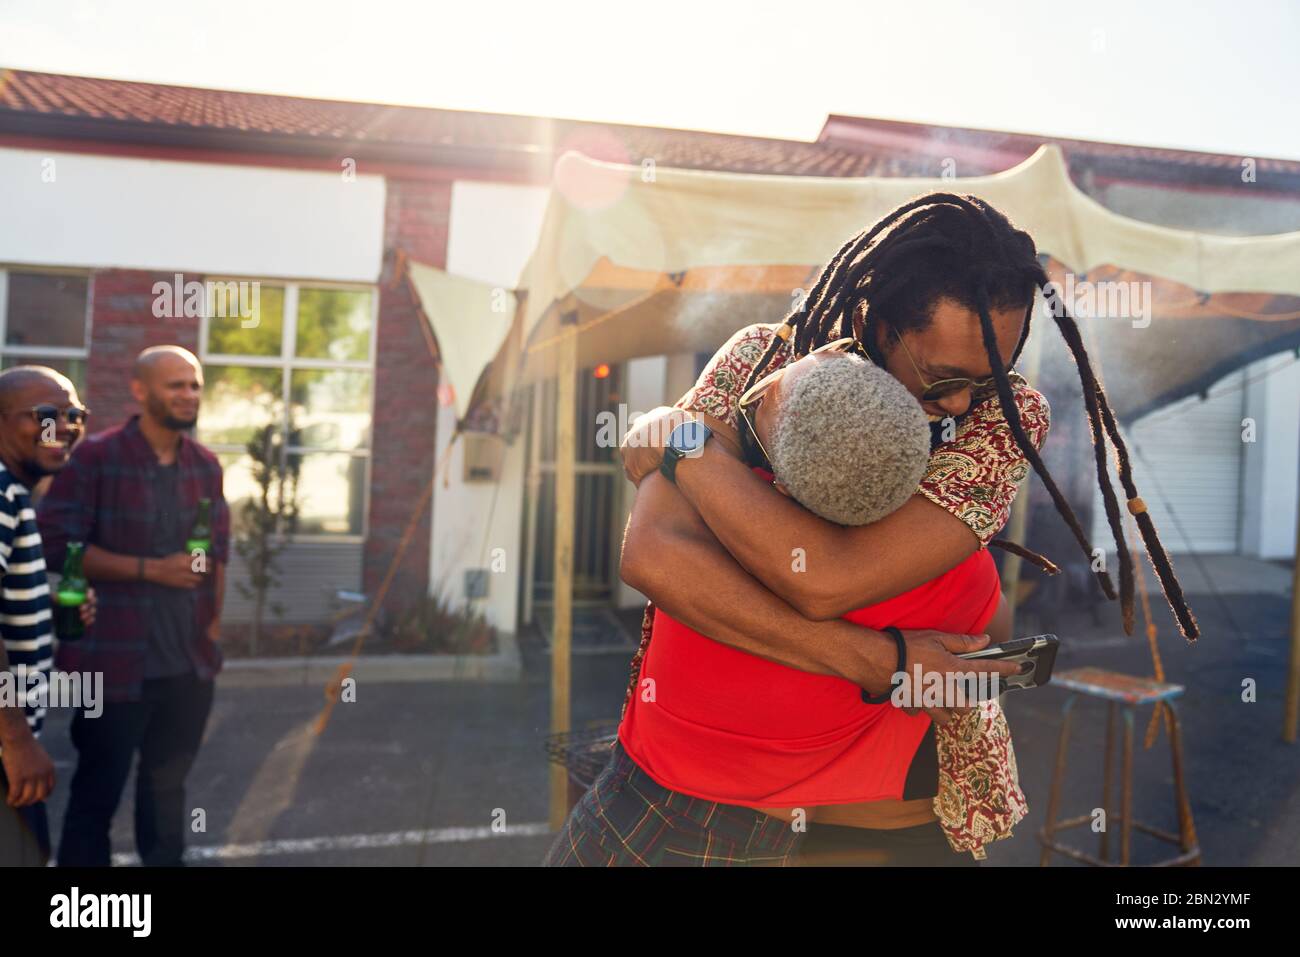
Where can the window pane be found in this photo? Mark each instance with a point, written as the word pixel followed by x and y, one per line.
pixel 238 487
pixel 227 334
pixel 237 401
pixel 333 324
pixel 331 493
pixel 330 409
pixel 46 309
pixel 74 369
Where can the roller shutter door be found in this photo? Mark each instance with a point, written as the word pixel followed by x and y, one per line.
pixel 1190 465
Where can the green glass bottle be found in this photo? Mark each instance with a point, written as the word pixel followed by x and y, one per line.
pixel 200 538
pixel 70 596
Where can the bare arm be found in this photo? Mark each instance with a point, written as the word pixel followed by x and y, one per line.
pixel 102 565
pixel 670 556
pixel 842 567
pixel 28 768
pixel 174 571
pixel 13 719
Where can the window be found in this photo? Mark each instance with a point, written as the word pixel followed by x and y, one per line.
pixel 45 320
pixel 299 359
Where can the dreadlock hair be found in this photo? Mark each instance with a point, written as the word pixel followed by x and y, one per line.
pixel 948 246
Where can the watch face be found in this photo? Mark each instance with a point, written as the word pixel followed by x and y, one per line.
pixel 689 437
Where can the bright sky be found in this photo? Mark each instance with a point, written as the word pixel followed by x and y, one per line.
pixel 1217 75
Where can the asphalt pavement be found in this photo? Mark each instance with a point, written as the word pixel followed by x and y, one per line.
pixel 454 773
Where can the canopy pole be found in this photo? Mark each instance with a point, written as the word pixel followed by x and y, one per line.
pixel 562 604
pixel 1292 711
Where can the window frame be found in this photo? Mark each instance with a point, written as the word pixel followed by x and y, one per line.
pixel 288 363
pixel 38 351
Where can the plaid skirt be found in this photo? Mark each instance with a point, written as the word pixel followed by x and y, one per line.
pixel 627 820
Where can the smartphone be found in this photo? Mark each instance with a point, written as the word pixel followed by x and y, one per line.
pixel 1036 655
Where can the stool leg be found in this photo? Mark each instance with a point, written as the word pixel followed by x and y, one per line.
pixel 1106 779
pixel 1126 789
pixel 1186 828
pixel 1058 774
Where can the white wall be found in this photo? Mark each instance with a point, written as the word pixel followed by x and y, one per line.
pixel 70 209
pixel 493 230
pixel 1272 468
pixel 1187 462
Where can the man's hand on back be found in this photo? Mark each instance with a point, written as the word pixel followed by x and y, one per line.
pixel 642 448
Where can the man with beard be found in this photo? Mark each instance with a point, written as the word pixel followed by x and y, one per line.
pixel 40 419
pixel 132 494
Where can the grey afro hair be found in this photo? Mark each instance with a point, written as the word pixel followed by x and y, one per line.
pixel 849 442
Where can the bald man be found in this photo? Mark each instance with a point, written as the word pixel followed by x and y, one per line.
pixel 41 419
pixel 132 494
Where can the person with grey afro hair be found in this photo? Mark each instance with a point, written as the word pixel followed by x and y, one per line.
pixel 849 442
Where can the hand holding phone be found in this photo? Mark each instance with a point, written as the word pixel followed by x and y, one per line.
pixel 1035 655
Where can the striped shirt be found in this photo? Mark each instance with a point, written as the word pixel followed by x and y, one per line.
pixel 26 618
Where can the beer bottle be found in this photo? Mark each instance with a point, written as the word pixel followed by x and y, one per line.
pixel 70 596
pixel 200 538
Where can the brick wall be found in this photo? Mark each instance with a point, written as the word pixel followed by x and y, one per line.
pixel 406 379
pixel 123 324
pixel 406 384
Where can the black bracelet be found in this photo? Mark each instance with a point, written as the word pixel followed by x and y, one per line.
pixel 883 697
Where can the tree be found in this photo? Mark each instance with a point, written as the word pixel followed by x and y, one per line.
pixel 268 520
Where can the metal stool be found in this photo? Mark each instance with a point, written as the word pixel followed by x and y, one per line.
pixel 1129 692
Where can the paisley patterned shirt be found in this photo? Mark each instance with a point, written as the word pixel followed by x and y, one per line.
pixel 974 475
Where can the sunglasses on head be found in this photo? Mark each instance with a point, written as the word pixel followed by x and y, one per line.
pixel 74 416
pixel 754 395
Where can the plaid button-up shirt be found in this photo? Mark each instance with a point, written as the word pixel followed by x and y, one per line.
pixel 105 496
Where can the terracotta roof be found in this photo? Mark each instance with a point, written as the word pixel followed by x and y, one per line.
pixel 990 151
pixel 120 111
pixel 47 104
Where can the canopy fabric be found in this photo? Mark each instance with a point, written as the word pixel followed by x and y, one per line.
pixel 470 321
pixel 1192 341
pixel 667 260
pixel 675 220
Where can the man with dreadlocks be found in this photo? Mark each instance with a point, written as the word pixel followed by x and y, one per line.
pixel 939 293
pixel 715 733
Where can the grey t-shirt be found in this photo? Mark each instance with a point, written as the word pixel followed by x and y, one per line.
pixel 171 610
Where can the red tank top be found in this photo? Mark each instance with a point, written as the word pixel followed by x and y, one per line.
pixel 727 726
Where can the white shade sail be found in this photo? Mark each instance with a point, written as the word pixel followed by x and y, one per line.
pixel 653 261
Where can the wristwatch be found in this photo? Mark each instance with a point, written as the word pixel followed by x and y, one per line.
pixel 685 441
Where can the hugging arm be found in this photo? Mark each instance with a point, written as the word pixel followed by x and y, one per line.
pixel 672 557
pixel 841 568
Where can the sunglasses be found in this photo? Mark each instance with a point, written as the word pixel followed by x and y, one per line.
pixel 943 388
pixel 754 395
pixel 74 416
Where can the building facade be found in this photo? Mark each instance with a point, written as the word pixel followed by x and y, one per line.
pixel 262 233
